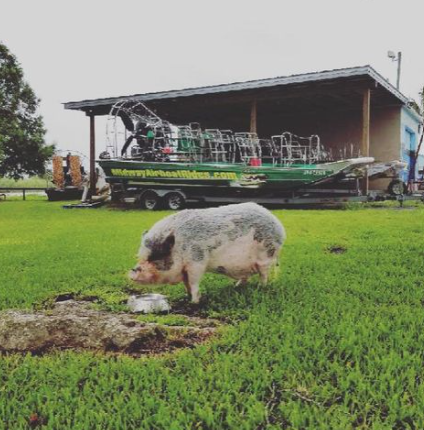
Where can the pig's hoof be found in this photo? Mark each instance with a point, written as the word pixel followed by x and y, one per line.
pixel 195 300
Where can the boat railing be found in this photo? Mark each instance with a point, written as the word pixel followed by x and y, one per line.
pixel 213 146
pixel 229 144
pixel 249 148
pixel 159 140
pixel 292 149
pixel 191 144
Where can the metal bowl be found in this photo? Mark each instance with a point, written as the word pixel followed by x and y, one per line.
pixel 148 303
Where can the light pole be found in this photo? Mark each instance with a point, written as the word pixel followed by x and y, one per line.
pixel 393 57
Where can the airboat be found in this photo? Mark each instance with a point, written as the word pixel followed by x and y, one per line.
pixel 144 149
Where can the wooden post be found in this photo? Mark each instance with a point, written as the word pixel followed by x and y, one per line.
pixel 23 194
pixel 92 155
pixel 253 117
pixel 365 143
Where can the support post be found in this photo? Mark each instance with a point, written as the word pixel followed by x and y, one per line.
pixel 253 117
pixel 92 155
pixel 365 143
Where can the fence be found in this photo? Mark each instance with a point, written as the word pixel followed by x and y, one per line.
pixel 23 189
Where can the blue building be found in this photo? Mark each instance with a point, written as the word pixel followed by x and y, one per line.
pixel 410 129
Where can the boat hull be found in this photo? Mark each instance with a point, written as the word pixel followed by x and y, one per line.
pixel 224 174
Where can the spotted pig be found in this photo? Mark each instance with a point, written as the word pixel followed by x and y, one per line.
pixel 236 240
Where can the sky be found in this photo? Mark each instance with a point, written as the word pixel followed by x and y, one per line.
pixel 83 49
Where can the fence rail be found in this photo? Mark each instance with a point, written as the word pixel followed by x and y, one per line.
pixel 23 189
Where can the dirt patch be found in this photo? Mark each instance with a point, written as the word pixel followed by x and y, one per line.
pixel 337 249
pixel 72 324
pixel 63 297
pixel 193 310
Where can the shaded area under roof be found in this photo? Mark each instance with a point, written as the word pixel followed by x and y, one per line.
pixel 342 85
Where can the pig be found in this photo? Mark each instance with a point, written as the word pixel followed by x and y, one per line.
pixel 237 240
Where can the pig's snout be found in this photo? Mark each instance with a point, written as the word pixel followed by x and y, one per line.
pixel 144 273
pixel 132 274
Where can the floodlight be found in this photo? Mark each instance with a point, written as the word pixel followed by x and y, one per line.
pixel 391 55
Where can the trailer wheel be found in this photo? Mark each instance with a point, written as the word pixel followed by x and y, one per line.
pixel 174 201
pixel 397 187
pixel 150 201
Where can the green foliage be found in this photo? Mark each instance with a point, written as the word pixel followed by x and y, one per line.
pixel 22 147
pixel 169 319
pixel 334 342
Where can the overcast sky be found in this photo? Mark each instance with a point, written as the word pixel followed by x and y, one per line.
pixel 84 49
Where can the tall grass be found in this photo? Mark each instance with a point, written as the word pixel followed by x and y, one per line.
pixel 31 182
pixel 335 342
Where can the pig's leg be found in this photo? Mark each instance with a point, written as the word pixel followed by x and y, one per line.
pixel 191 279
pixel 263 273
pixel 241 282
pixel 195 293
pixel 186 283
pixel 264 276
pixel 187 286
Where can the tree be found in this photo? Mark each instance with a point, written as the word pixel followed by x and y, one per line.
pixel 22 146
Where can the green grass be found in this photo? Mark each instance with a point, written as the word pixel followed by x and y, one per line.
pixel 169 319
pixel 335 342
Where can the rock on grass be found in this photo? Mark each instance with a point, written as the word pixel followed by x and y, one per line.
pixel 75 325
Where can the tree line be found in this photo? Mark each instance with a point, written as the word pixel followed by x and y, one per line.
pixel 23 150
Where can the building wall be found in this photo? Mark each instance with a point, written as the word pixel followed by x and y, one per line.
pixel 341 131
pixel 384 140
pixel 384 134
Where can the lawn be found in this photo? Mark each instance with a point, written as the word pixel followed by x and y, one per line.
pixel 336 341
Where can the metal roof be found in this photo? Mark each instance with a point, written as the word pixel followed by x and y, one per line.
pixel 336 74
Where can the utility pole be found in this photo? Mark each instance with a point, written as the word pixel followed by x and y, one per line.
pixel 393 57
pixel 399 61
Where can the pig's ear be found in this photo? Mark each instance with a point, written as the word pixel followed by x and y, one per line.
pixel 143 235
pixel 169 242
pixel 144 239
pixel 162 250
